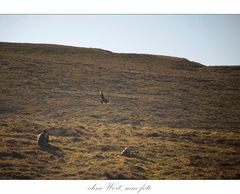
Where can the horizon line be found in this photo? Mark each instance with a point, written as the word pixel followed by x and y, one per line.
pixel 116 52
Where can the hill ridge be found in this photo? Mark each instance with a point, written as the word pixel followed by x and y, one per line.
pixel 58 49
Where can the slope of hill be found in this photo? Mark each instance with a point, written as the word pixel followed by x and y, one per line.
pixel 182 117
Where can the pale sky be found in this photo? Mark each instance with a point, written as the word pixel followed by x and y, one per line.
pixel 208 39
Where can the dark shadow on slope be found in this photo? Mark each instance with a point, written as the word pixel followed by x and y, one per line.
pixel 9 155
pixel 54 150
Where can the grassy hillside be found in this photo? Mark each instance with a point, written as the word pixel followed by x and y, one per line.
pixel 182 117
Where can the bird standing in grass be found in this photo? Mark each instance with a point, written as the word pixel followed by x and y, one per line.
pixel 103 99
pixel 43 139
pixel 127 152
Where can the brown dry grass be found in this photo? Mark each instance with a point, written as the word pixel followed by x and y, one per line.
pixel 181 117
